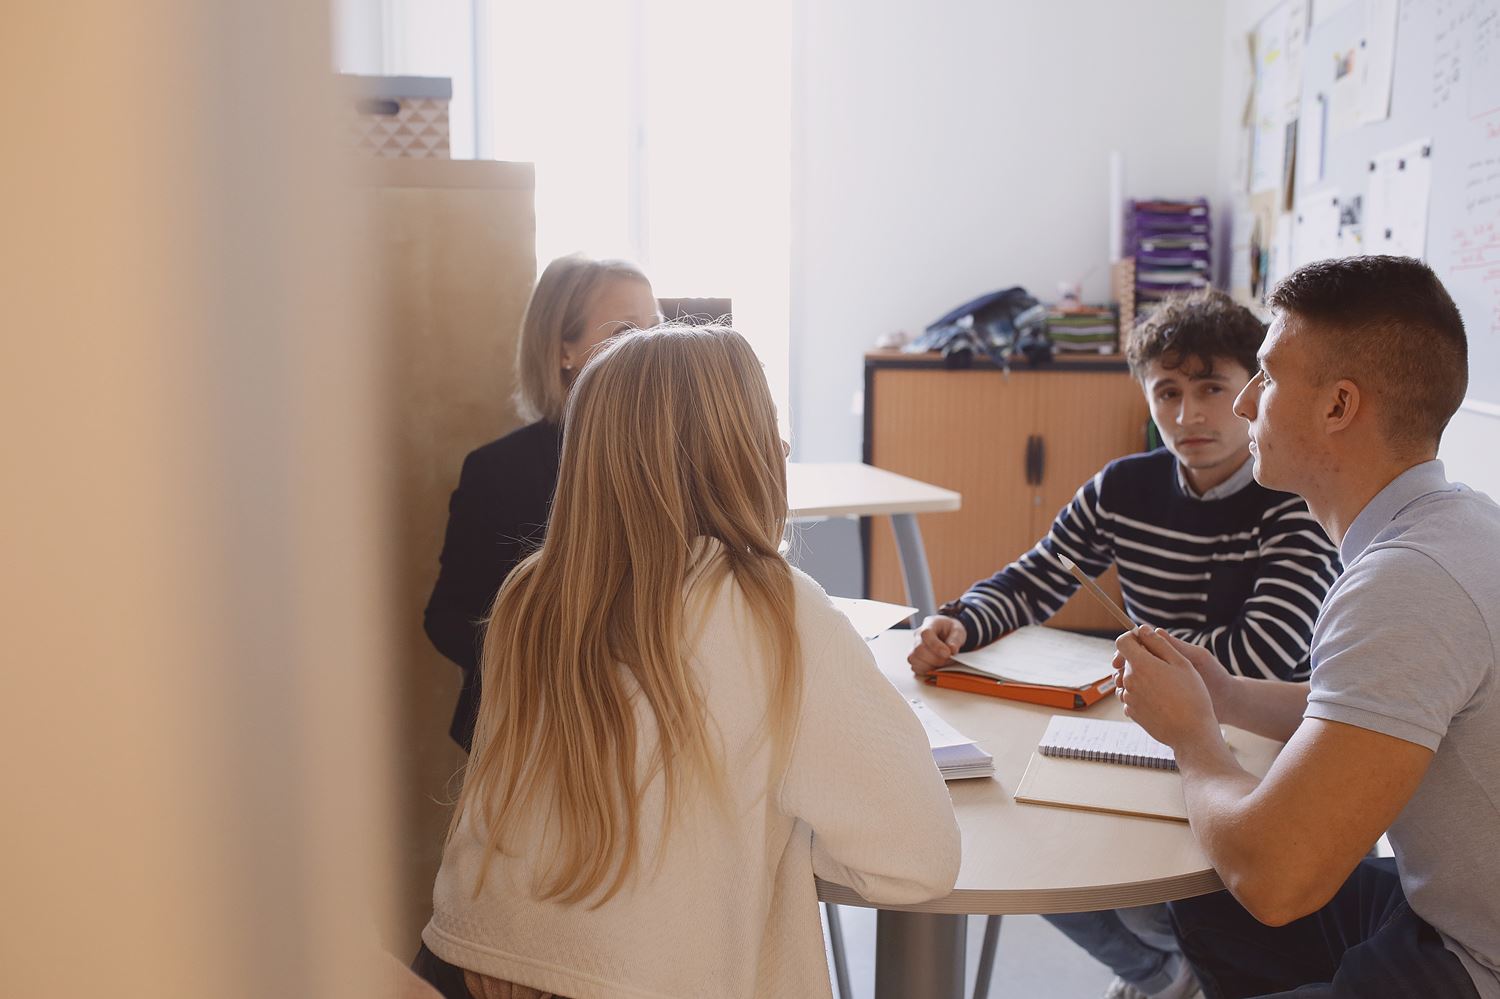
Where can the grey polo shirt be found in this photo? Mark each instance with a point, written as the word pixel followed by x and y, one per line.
pixel 1406 645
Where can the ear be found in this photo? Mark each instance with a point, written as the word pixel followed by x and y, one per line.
pixel 1343 405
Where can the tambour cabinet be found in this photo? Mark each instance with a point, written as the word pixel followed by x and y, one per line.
pixel 1016 444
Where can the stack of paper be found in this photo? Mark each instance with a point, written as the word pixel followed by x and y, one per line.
pixel 1170 241
pixel 1082 329
pixel 957 756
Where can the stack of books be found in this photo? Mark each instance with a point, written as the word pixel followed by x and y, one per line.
pixel 1170 241
pixel 1085 329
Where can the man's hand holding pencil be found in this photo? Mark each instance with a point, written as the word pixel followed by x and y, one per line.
pixel 1168 686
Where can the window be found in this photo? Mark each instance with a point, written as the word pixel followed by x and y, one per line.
pixel 660 130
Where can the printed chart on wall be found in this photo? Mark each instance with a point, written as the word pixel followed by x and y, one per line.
pixel 1399 150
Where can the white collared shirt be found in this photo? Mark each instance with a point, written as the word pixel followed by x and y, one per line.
pixel 1242 477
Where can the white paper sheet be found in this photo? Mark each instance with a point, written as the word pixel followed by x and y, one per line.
pixel 1396 204
pixel 1279 41
pixel 1312 145
pixel 1281 251
pixel 1484 62
pixel 1377 59
pixel 939 732
pixel 1315 228
pixel 871 617
pixel 1345 98
pixel 1323 10
pixel 1049 659
pixel 1240 228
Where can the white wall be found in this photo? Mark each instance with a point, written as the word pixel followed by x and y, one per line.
pixel 947 149
pixel 943 150
pixel 1471 449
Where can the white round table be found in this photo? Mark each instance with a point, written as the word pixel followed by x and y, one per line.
pixel 1025 858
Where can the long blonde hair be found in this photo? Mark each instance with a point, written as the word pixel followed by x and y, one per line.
pixel 555 316
pixel 670 438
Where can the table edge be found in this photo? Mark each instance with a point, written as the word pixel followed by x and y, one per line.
pixel 1037 901
pixel 943 504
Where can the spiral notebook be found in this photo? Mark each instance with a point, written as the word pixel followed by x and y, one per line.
pixel 1151 790
pixel 1103 741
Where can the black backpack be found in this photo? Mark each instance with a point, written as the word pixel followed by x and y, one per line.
pixel 1001 325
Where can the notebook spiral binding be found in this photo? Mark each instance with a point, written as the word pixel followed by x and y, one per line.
pixel 1099 756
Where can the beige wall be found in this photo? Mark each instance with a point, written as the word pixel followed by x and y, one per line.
pixel 192 703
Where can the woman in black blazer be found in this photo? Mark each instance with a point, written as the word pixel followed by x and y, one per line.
pixel 498 513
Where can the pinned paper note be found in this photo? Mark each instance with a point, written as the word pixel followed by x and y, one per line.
pixel 1278 43
pixel 1396 206
pixel 1315 228
pixel 1377 60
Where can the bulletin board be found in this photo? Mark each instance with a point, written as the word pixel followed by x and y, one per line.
pixel 1374 127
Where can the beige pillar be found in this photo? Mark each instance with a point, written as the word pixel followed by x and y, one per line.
pixel 193 751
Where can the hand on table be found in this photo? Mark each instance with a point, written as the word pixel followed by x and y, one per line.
pixel 1163 686
pixel 940 637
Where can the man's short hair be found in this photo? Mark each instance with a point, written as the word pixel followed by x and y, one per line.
pixel 1206 325
pixel 1388 325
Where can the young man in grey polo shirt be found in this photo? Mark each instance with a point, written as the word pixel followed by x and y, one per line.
pixel 1399 726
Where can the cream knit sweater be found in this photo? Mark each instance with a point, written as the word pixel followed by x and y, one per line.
pixel 724 906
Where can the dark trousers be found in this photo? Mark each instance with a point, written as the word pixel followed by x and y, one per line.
pixel 450 981
pixel 446 978
pixel 1366 942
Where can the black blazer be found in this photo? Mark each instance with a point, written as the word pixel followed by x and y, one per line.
pixel 497 516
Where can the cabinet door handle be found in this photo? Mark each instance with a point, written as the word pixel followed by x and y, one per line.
pixel 1041 459
pixel 1033 457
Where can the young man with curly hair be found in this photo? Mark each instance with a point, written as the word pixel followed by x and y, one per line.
pixel 1202 549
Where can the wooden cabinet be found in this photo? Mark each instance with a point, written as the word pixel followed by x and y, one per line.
pixel 1016 444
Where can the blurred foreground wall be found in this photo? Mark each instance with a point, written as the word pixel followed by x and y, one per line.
pixel 193 712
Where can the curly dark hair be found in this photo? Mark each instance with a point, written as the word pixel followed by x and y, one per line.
pixel 1206 325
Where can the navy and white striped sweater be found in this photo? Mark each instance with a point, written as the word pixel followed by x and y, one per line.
pixel 1243 575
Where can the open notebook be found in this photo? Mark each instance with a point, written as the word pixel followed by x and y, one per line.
pixel 1040 665
pixel 1113 766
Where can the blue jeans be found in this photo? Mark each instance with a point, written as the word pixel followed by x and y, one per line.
pixel 1135 944
pixel 1365 942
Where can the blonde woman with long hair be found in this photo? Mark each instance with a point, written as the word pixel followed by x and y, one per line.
pixel 499 510
pixel 677 728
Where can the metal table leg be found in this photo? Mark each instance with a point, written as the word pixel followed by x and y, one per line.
pixel 987 956
pixel 919 956
pixel 914 563
pixel 836 944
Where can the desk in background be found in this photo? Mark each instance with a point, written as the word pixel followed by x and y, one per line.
pixel 1016 444
pixel 1024 858
pixel 817 490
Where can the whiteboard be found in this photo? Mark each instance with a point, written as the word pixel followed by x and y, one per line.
pixel 1445 94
